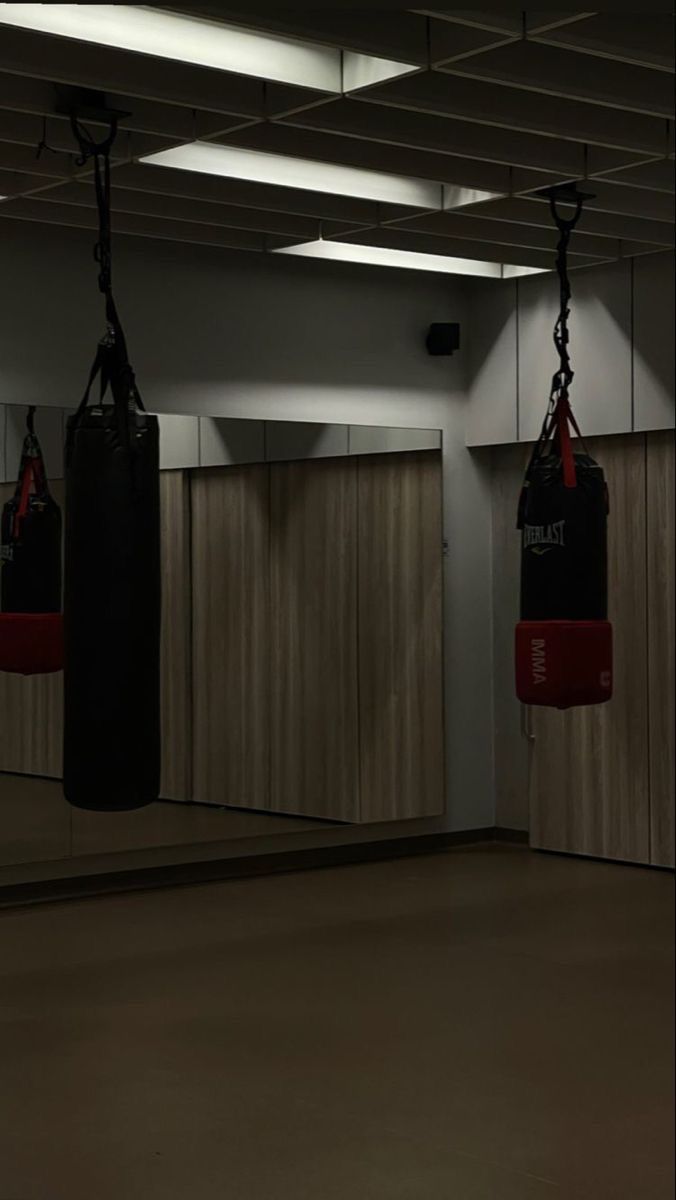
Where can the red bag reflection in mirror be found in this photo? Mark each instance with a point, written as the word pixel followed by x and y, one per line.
pixel 31 643
pixel 31 623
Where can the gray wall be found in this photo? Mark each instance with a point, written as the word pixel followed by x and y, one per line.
pixel 622 350
pixel 242 335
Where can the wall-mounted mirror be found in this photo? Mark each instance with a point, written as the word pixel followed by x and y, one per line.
pixel 301 644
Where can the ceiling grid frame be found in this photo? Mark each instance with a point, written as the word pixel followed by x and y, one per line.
pixel 407 125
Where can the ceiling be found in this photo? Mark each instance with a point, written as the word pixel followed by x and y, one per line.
pixel 499 103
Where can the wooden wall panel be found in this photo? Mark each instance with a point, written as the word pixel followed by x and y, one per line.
pixel 510 746
pixel 400 636
pixel 175 644
pixel 230 621
pixel 353 557
pixel 313 654
pixel 589 769
pixel 661 682
pixel 31 707
pixel 31 724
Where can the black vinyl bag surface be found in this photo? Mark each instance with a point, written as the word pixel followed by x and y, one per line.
pixel 563 518
pixel 112 598
pixel 564 530
pixel 31 540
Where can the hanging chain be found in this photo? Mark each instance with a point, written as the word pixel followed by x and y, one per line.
pixel 100 153
pixel 563 377
pixel 31 444
pixel 102 249
pixel 114 339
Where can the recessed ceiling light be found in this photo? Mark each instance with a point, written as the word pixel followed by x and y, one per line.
pixel 382 256
pixel 459 197
pixel 512 272
pixel 206 43
pixel 284 171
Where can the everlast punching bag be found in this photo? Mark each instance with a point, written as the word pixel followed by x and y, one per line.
pixel 563 640
pixel 112 577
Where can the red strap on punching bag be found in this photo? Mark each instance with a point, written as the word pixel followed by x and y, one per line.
pixel 33 473
pixel 563 416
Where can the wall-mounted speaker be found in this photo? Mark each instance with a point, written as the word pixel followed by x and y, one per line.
pixel 443 338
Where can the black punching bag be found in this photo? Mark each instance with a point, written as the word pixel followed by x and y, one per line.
pixel 563 519
pixel 564 641
pixel 112 595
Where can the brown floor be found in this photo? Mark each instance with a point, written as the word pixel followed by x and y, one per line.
pixel 37 825
pixel 488 1024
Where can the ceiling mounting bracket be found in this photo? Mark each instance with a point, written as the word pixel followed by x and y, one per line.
pixel 566 193
pixel 86 104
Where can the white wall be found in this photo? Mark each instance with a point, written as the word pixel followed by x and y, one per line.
pixel 246 335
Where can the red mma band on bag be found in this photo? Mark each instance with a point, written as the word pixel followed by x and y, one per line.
pixel 31 643
pixel 562 664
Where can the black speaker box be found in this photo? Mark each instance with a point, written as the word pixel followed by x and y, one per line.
pixel 443 338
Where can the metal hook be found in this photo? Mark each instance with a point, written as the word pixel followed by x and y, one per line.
pixel 89 148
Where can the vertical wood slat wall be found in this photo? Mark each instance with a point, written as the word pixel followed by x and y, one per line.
pixel 230 643
pixel 313 638
pixel 601 777
pixel 266 642
pixel 175 649
pixel 510 747
pixel 400 637
pixel 300 702
pixel 661 540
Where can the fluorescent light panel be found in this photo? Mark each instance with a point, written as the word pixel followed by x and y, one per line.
pixel 381 256
pixel 513 272
pixel 459 197
pixel 206 44
pixel 284 171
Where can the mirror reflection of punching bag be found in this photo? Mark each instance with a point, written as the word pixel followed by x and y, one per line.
pixel 31 626
pixel 112 571
pixel 563 650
